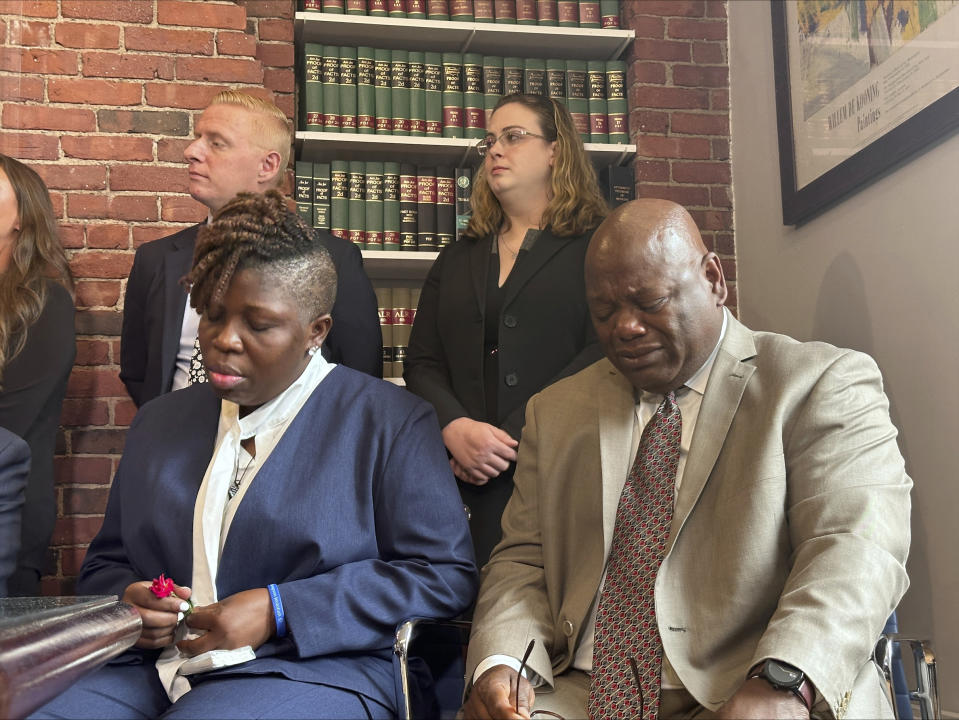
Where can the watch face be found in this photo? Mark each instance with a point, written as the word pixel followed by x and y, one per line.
pixel 783 675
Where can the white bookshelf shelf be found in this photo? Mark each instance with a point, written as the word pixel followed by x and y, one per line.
pixel 390 264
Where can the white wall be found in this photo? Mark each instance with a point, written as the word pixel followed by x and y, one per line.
pixel 877 273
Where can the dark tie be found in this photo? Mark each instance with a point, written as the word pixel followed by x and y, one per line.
pixel 196 372
pixel 626 619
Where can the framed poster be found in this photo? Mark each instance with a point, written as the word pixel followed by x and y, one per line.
pixel 860 86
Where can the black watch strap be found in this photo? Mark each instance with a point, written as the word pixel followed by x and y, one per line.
pixel 803 689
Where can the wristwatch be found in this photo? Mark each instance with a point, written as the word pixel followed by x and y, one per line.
pixel 786 677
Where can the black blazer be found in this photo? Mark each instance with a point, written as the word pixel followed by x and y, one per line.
pixel 14 469
pixel 155 301
pixel 545 330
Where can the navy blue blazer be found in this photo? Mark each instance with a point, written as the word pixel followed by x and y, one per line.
pixel 355 515
pixel 155 301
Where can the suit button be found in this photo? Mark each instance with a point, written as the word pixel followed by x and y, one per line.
pixel 509 321
pixel 512 380
pixel 567 628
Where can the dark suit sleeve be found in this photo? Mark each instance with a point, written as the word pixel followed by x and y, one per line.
pixel 133 336
pixel 425 566
pixel 355 339
pixel 14 470
pixel 426 371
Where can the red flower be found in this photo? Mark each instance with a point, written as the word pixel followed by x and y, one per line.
pixel 162 586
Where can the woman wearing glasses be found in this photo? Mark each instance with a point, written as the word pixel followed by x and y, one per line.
pixel 503 313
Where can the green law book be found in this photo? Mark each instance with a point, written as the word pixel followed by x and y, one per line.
pixel 408 208
pixel 483 11
pixel 312 5
pixel 331 88
pixel 391 206
pixel 461 10
pixel 453 94
pixel 534 76
pixel 556 80
pixel 525 12
pixel 576 98
pixel 445 206
pixel 492 83
pixel 433 84
pixel 474 116
pixel 365 104
pixel 356 194
pixel 333 6
pixel 321 195
pixel 546 12
pixel 589 14
pixel 416 9
pixel 356 7
pixel 568 13
pixel 504 11
pixel 376 8
pixel 396 8
pixel 596 88
pixel 384 307
pixel 303 190
pixel 400 85
pixel 464 188
pixel 348 89
pixel 313 90
pixel 382 92
pixel 609 14
pixel 402 324
pixel 374 206
pixel 339 203
pixel 512 75
pixel 417 93
pixel 616 109
pixel 437 9
pixel 426 209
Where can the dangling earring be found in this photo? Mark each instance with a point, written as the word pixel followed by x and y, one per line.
pixel 313 350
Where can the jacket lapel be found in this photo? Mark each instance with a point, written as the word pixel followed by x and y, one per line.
pixel 543 249
pixel 479 271
pixel 175 265
pixel 727 382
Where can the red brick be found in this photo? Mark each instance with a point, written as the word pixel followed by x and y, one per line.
pixel 674 8
pixel 20 87
pixel 697 29
pixel 71 235
pixel 85 501
pixel 171 150
pixel 144 122
pixel 285 103
pixel 700 76
pixel 29 34
pixel 725 244
pixel 76 530
pixel 97 293
pixel 71 559
pixel 716 8
pixel 92 352
pixel 127 65
pixel 95 383
pixel 87 205
pixel 648 72
pixel 673 147
pixel 57 587
pixel 182 208
pixel 29 146
pixel 279 81
pixel 95 92
pixel 721 149
pixel 123 412
pixel 719 197
pixel 649 122
pixel 701 173
pixel 275 54
pixel 219 70
pixel 671 50
pixel 128 11
pixel 105 147
pixel 713 219
pixel 236 43
pixel 267 8
pixel 699 123
pixel 205 14
pixel 192 97
pixel 650 96
pixel 40 62
pixel 729 269
pixel 57 199
pixel 270 29
pixel 148 177
pixel 29 8
pixel 194 42
pixel 133 207
pixel 115 236
pixel 144 234
pixel 651 170
pixel 85 411
pixel 647 26
pixel 73 177
pixel 708 53
pixel 101 264
pixel 88 35
pixel 719 99
pixel 684 195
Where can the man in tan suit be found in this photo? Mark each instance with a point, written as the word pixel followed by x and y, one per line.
pixel 790 520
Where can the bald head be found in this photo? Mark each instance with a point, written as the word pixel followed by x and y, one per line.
pixel 655 293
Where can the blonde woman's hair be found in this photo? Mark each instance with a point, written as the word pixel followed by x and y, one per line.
pixel 37 256
pixel 273 129
pixel 575 205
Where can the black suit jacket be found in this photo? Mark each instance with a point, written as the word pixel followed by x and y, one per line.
pixel 155 301
pixel 545 330
pixel 14 469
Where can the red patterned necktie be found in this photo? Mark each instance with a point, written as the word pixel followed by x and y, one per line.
pixel 626 619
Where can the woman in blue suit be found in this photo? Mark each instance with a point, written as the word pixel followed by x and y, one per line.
pixel 309 507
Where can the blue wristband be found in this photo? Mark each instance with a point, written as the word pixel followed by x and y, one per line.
pixel 278 614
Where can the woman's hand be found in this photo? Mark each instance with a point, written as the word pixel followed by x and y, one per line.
pixel 481 451
pixel 159 615
pixel 242 619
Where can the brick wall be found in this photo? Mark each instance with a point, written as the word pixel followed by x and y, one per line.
pixel 99 97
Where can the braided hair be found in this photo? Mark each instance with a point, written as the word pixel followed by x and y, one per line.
pixel 258 231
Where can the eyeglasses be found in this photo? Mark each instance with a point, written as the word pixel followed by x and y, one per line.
pixel 509 137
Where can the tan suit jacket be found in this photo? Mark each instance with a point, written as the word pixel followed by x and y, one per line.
pixel 789 535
